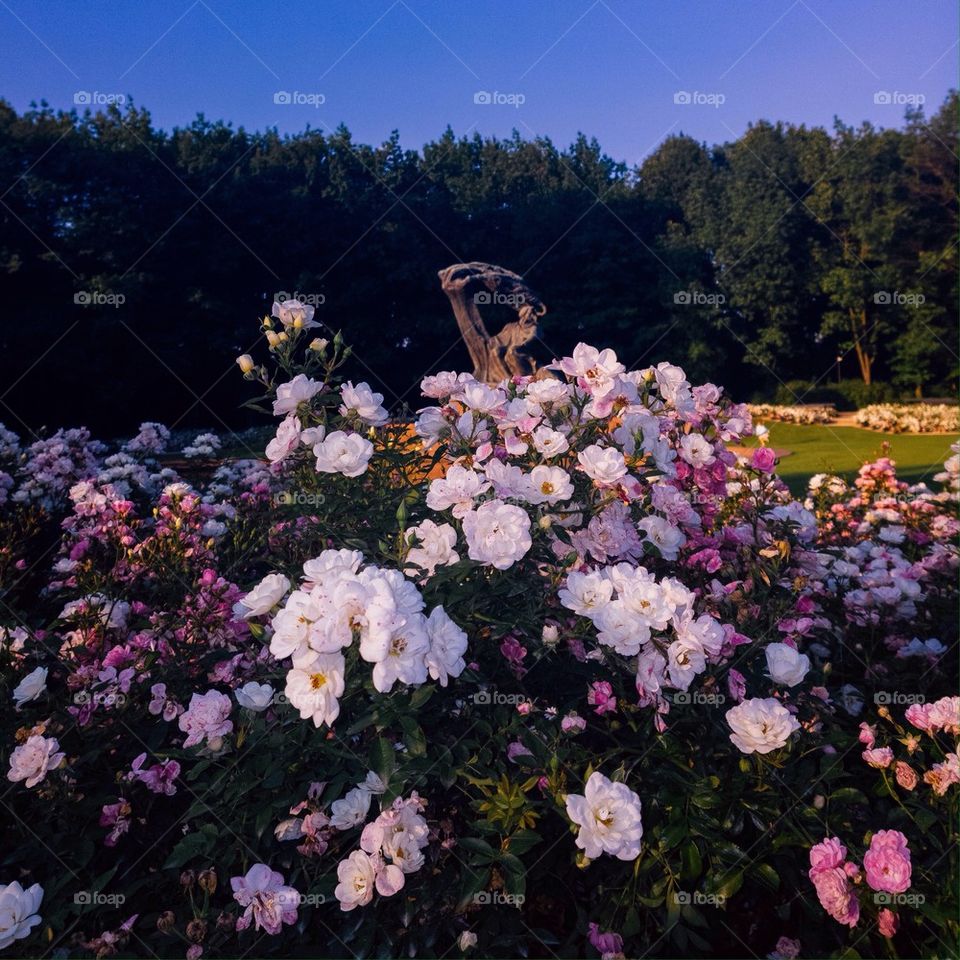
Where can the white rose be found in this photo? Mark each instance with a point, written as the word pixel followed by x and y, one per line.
pixel 291 395
pixel 294 313
pixel 457 489
pixel 608 815
pixel 603 465
pixel 786 665
pixel 547 485
pixel 448 644
pixel 760 725
pixel 18 911
pixel 254 696
pixel 435 547
pixel 498 534
pixel 351 810
pixel 314 685
pixel 263 597
pixel 30 687
pixel 362 401
pixel 357 878
pixel 697 451
pixel 286 441
pixel 32 760
pixel 343 453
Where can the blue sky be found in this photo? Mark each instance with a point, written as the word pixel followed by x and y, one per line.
pixel 613 69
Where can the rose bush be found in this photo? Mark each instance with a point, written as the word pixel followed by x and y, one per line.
pixel 547 671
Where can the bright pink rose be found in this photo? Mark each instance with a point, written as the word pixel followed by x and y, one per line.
pixel 887 862
pixel 826 855
pixel 764 460
pixel 601 698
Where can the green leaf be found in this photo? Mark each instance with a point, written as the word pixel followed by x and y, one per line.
pixel 480 848
pixel 848 795
pixel 691 861
pixel 767 875
pixel 521 841
pixel 383 757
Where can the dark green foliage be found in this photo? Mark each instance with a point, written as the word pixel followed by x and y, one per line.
pixel 750 263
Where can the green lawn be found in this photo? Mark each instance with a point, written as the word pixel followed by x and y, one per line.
pixel 823 448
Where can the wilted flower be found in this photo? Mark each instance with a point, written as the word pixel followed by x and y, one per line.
pixel 269 903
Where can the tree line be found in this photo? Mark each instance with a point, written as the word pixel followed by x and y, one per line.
pixel 136 261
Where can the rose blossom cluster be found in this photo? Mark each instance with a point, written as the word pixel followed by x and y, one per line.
pixel 390 848
pixel 937 721
pixel 338 602
pixel 886 869
pixel 600 458
pixel 346 452
pixel 636 615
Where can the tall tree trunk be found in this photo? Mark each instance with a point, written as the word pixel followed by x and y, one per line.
pixel 858 327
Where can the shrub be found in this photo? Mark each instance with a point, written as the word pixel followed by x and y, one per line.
pixel 549 672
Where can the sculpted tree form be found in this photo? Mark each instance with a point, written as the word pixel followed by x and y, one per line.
pixel 471 285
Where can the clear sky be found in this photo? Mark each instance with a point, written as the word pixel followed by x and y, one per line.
pixel 614 69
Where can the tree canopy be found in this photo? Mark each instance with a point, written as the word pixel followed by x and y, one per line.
pixel 133 260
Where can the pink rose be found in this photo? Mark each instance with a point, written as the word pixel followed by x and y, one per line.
pixel 764 460
pixel 906 775
pixel 887 862
pixel 881 757
pixel 887 922
pixel 919 715
pixel 836 895
pixel 601 698
pixel 826 855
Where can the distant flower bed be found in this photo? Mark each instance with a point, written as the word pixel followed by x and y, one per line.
pixel 910 418
pixel 770 411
